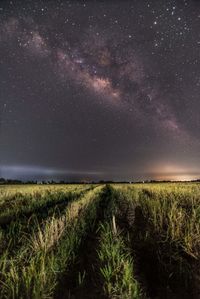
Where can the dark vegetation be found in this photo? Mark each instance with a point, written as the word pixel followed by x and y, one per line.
pixel 101 241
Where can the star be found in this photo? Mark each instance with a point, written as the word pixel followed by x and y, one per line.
pixel 73 72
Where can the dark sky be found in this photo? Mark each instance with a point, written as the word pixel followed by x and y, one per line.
pixel 100 89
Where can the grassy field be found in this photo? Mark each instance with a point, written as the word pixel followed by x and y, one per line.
pixel 100 241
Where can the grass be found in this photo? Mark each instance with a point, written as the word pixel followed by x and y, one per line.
pixel 117 266
pixel 14 205
pixel 33 274
pixel 165 233
pixel 147 242
pixel 17 228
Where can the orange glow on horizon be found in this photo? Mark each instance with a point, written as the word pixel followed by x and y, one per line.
pixel 174 173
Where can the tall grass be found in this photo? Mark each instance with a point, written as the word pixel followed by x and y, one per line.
pixel 34 273
pixel 19 204
pixel 15 233
pixel 168 228
pixel 116 266
pixel 175 218
pixel 41 233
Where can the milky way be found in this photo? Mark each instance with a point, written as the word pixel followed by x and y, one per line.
pixel 100 90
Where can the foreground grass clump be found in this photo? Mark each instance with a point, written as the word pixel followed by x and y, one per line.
pixel 117 266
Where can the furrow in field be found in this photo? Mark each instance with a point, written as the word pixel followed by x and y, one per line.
pixel 104 267
pixel 50 251
pixel 19 196
pixel 40 204
pixel 117 265
pixel 158 226
pixel 15 235
pixel 82 279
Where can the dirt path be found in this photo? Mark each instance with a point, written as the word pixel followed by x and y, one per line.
pixel 86 265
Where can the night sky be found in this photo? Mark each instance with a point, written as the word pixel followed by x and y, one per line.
pixel 100 89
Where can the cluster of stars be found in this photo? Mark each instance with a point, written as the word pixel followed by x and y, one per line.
pixel 137 60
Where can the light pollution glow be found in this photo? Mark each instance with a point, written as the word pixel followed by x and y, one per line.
pixel 175 173
pixel 159 173
pixel 89 91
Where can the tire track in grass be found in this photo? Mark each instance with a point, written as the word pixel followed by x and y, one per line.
pixel 18 201
pixel 19 231
pixel 157 271
pixel 116 265
pixel 27 270
pixel 104 267
pixel 14 235
pixel 39 206
pixel 82 280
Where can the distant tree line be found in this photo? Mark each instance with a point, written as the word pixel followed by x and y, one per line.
pixel 52 182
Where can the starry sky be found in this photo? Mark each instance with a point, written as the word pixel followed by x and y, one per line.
pixel 100 89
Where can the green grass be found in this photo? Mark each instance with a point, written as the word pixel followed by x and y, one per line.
pixel 145 228
pixel 116 266
pixel 167 230
pixel 34 272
